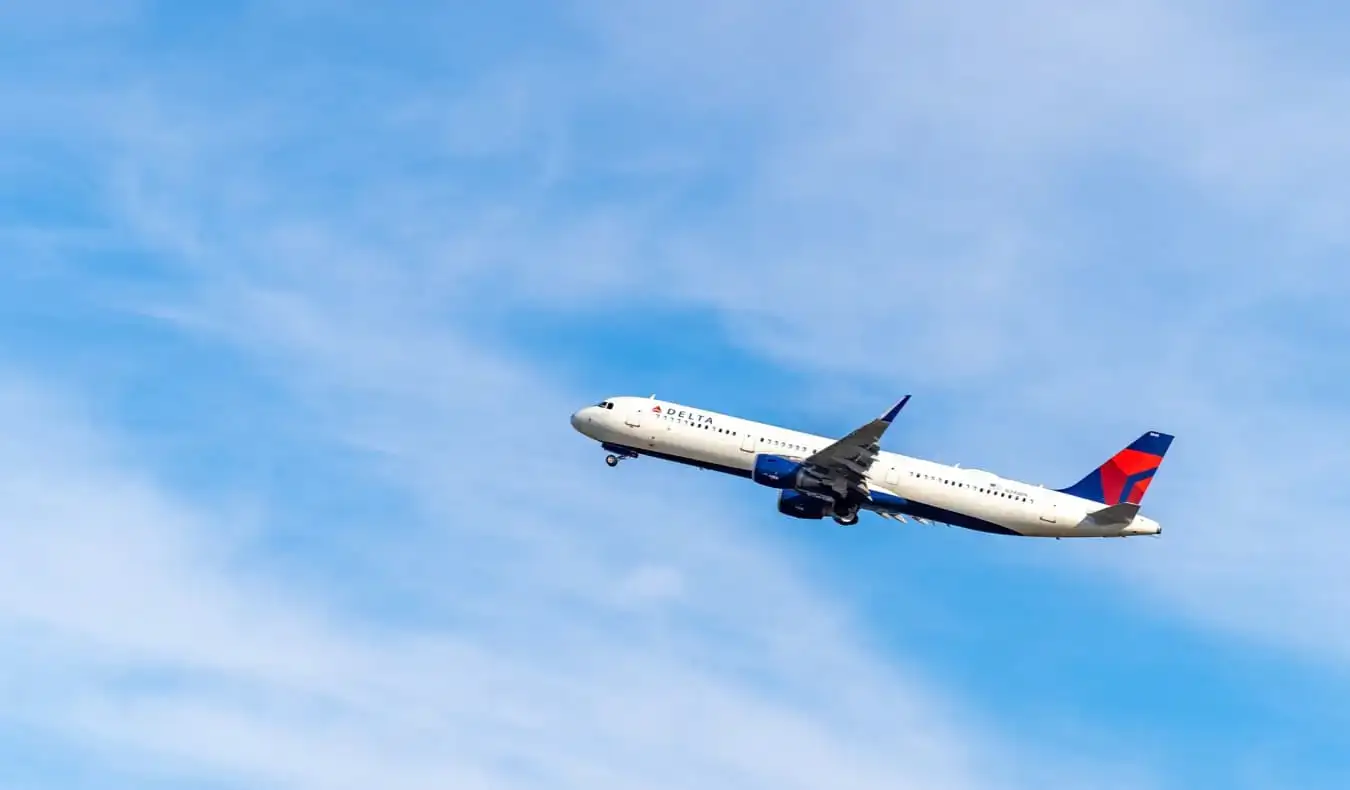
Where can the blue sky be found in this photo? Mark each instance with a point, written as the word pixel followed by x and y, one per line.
pixel 296 302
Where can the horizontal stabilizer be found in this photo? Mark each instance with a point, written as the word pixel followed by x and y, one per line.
pixel 1115 515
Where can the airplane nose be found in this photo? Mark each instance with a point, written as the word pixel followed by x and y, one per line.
pixel 583 419
pixel 588 420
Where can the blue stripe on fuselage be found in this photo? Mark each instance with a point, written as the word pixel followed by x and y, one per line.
pixel 881 501
pixel 890 503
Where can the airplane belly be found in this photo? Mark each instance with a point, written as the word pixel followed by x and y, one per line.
pixel 942 504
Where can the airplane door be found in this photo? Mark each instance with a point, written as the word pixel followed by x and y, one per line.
pixel 892 476
pixel 635 418
pixel 748 444
pixel 1048 513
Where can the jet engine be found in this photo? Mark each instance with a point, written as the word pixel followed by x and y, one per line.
pixel 799 505
pixel 775 471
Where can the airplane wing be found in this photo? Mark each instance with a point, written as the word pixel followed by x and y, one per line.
pixel 843 465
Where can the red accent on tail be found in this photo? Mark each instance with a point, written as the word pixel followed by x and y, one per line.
pixel 1118 471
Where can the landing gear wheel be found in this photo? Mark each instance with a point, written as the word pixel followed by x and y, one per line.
pixel 846 519
pixel 612 460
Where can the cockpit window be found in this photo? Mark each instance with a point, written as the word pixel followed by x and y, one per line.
pixel 604 404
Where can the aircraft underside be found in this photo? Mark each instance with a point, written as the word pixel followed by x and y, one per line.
pixel 844 511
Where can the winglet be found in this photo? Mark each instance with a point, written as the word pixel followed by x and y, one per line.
pixel 890 415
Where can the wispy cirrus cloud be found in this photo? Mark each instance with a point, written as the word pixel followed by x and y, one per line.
pixel 503 624
pixel 668 651
pixel 849 198
pixel 1109 215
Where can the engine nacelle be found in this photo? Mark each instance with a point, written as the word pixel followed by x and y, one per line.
pixel 799 505
pixel 775 471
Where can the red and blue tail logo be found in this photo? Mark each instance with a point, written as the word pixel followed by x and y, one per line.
pixel 1126 476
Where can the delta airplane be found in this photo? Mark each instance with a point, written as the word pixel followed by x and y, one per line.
pixel 819 477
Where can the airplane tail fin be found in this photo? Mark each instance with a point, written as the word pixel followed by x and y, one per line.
pixel 1125 477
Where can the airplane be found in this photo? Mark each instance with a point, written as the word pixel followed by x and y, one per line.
pixel 818 477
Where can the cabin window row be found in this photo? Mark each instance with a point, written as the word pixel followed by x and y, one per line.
pixel 971 486
pixel 705 426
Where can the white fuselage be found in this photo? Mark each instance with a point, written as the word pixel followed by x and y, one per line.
pixel 900 485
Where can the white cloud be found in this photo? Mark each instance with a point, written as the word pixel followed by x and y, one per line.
pixel 907 166
pixel 917 212
pixel 162 642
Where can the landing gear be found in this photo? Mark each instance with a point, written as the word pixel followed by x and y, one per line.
pixel 846 518
pixel 617 454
